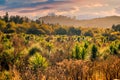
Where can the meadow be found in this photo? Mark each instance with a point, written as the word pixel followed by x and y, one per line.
pixel 34 50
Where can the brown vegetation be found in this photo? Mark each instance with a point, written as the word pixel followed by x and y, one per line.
pixel 33 50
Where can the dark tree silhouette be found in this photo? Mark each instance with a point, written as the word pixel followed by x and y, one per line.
pixel 6 17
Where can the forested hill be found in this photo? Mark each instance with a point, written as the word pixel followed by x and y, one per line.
pixel 97 22
pixel 17 24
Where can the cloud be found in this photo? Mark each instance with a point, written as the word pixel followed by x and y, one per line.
pixel 79 8
pixel 35 9
pixel 13 4
pixel 95 5
pixel 117 10
pixel 2 13
pixel 24 1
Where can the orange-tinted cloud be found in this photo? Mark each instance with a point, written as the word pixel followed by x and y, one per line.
pixel 37 8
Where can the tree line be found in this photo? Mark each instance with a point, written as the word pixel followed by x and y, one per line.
pixel 18 24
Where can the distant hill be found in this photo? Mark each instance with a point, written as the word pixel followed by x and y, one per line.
pixel 97 22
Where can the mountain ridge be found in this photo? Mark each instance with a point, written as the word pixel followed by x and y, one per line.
pixel 105 22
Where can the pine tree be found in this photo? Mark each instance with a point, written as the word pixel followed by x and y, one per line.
pixel 94 53
pixel 6 17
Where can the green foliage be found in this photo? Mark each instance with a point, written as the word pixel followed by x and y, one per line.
pixel 35 31
pixel 88 33
pixel 74 31
pixel 114 48
pixel 2 25
pixel 60 31
pixel 11 25
pixel 18 19
pixel 94 51
pixel 6 17
pixel 10 28
pixel 83 53
pixel 79 52
pixel 86 45
pixel 49 46
pixel 6 56
pixel 112 37
pixel 33 51
pixel 20 24
pixel 21 29
pixel 116 27
pixel 5 75
pixel 76 52
pixel 20 52
pixel 118 46
pixel 5 60
pixel 37 61
pixel 47 29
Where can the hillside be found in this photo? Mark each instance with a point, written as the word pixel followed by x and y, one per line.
pixel 33 50
pixel 97 22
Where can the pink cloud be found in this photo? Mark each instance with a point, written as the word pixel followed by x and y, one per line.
pixel 68 8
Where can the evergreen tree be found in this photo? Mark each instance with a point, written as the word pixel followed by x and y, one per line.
pixel 94 52
pixel 6 17
pixel 79 52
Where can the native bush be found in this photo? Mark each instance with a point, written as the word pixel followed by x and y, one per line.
pixel 33 50
pixel 79 52
pixel 38 61
pixel 94 51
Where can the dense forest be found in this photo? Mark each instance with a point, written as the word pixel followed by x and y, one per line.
pixel 34 50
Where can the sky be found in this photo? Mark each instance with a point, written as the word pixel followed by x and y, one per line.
pixel 81 9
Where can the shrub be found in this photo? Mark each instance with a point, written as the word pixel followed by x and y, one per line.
pixel 116 27
pixel 79 52
pixel 33 51
pixel 74 31
pixel 35 31
pixel 60 31
pixel 38 61
pixel 88 33
pixel 114 48
pixel 94 51
pixel 85 45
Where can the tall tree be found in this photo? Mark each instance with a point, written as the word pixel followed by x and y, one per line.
pixel 94 51
pixel 6 17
